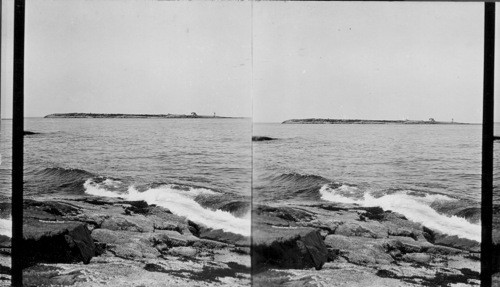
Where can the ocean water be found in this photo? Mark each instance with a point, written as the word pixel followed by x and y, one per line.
pixel 204 168
pixel 194 167
pixel 429 173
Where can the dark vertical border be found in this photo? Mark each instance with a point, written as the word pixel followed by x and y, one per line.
pixel 487 160
pixel 1 50
pixel 252 270
pixel 17 144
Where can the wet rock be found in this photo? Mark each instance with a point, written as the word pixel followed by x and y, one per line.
pixel 288 248
pixel 57 242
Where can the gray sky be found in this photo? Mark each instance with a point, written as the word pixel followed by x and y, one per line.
pixel 137 57
pixel 310 59
pixel 368 60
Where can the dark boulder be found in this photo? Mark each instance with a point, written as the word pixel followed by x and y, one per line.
pixel 288 248
pixel 139 206
pixel 261 139
pixel 57 242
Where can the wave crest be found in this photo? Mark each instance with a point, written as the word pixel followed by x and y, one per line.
pixel 415 207
pixel 180 201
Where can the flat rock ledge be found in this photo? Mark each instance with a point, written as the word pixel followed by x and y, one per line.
pixel 92 241
pixel 312 244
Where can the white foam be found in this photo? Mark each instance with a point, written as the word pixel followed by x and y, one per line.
pixel 329 194
pixel 6 227
pixel 111 182
pixel 180 202
pixel 95 189
pixel 415 208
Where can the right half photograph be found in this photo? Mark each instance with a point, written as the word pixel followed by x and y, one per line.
pixel 367 143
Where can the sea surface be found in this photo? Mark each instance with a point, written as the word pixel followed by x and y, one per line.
pixel 194 167
pixel 204 168
pixel 429 173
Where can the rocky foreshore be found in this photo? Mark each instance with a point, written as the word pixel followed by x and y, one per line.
pixel 93 241
pixel 347 245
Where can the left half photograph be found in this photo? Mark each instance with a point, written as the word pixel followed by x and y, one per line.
pixel 137 143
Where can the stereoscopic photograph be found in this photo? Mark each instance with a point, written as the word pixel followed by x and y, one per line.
pixel 247 143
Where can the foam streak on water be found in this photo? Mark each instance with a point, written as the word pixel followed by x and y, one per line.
pixel 415 208
pixel 179 202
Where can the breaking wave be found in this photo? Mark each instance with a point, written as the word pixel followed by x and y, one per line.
pixel 416 207
pixel 179 200
pixel 290 186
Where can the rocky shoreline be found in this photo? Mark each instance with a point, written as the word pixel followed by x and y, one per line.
pixel 92 241
pixel 348 245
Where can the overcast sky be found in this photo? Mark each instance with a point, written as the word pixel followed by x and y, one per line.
pixel 137 57
pixel 310 59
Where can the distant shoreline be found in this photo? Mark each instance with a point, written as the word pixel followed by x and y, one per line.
pixel 365 122
pixel 133 116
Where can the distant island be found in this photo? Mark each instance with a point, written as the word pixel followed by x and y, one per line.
pixel 134 116
pixel 363 122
